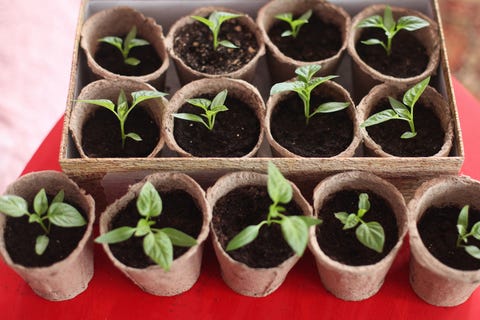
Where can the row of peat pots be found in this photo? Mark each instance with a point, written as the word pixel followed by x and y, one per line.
pixel 259 225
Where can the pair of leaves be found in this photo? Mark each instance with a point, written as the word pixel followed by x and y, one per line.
pixel 214 23
pixel 463 234
pixel 126 45
pixel 295 24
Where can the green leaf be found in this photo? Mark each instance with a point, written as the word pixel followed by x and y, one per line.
pixel 34 218
pixel 363 203
pixel 411 23
pixel 13 206
pixel 462 221
pixel 132 61
pixel 65 215
pixel 371 22
pixel 331 107
pixel 200 102
pixel 114 41
pixel 203 20
pixel 279 189
pixel 371 235
pixel 388 21
pixel 179 238
pixel 286 86
pixel 138 43
pixel 295 232
pixel 59 197
pixel 408 135
pixel 305 16
pixel 351 222
pixel 287 33
pixel 287 17
pixel 122 111
pixel 128 39
pixel 41 244
pixel 100 102
pixel 315 82
pixel 122 100
pixel 305 73
pixel 219 99
pixel 310 221
pixel 149 203
pixel 244 237
pixel 159 248
pixel 189 117
pixel 221 16
pixel 473 251
pixel 116 235
pixel 143 95
pixel 413 94
pixel 227 44
pixel 400 109
pixel 218 109
pixel 143 227
pixel 476 231
pixel 134 136
pixel 373 41
pixel 342 216
pixel 380 117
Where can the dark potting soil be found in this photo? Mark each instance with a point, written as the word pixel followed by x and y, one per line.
pixel 235 133
pixel 102 137
pixel 343 245
pixel 438 230
pixel 179 211
pixel 427 142
pixel 326 135
pixel 316 40
pixel 20 237
pixel 408 57
pixel 194 45
pixel 110 58
pixel 246 206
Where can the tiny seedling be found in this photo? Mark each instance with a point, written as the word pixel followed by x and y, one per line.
pixel 214 23
pixel 463 234
pixel 57 212
pixel 295 24
pixel 391 28
pixel 122 110
pixel 400 111
pixel 126 45
pixel 157 243
pixel 371 233
pixel 210 107
pixel 294 228
pixel 304 86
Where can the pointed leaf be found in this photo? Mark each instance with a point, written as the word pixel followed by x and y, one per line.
pixel 373 41
pixel 305 16
pixel 287 17
pixel 286 86
pixel 65 215
pixel 380 117
pixel 218 109
pixel 130 36
pixel 116 235
pixel 149 203
pixel 138 43
pixel 134 136
pixel 310 221
pixel 411 23
pixel 227 44
pixel 179 238
pixel 330 107
pixel 159 248
pixel 414 93
pixel 41 244
pixel 143 95
pixel 363 203
pixel 388 20
pixel 122 99
pixel 132 61
pixel 189 117
pixel 462 221
pixel 59 197
pixel 34 218
pixel 13 206
pixel 143 227
pixel 371 235
pixel 279 189
pixel 100 102
pixel 476 231
pixel 200 102
pixel 342 216
pixel 400 109
pixel 221 16
pixel 408 135
pixel 295 232
pixel 244 237
pixel 203 20
pixel 114 41
pixel 219 99
pixel 371 22
pixel 40 202
pixel 287 33
pixel 351 222
pixel 473 251
pixel 305 73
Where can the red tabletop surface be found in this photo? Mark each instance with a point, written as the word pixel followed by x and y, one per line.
pixel 111 295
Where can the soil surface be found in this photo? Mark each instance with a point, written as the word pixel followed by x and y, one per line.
pixel 246 206
pixel 427 142
pixel 179 211
pixel 343 245
pixel 438 230
pixel 194 45
pixel 102 137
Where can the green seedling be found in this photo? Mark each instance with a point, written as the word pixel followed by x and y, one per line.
pixel 294 228
pixel 210 107
pixel 304 86
pixel 157 243
pixel 57 212
pixel 371 233
pixel 126 45
pixel 295 24
pixel 122 110
pixel 214 23
pixel 400 111
pixel 391 28
pixel 463 233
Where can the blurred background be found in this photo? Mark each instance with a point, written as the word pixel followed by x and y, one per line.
pixel 36 52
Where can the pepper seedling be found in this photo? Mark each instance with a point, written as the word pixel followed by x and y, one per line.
pixel 370 234
pixel 295 24
pixel 157 243
pixel 126 45
pixel 214 23
pixel 391 28
pixel 294 228
pixel 122 110
pixel 210 107
pixel 57 212
pixel 400 111
pixel 463 234
pixel 304 86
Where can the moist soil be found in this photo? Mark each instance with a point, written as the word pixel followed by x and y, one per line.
pixel 193 43
pixel 235 133
pixel 20 237
pixel 102 137
pixel 179 211
pixel 427 142
pixel 438 230
pixel 343 245
pixel 316 40
pixel 408 57
pixel 246 206
pixel 325 135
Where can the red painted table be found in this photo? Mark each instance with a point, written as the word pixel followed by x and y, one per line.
pixel 110 295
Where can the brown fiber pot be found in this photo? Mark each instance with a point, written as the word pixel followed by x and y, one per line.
pixel 433 281
pixel 184 270
pixel 282 67
pixel 69 277
pixel 354 283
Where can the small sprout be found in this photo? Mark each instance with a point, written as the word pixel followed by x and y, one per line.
pixel 126 45
pixel 370 234
pixel 57 212
pixel 214 23
pixel 400 111
pixel 122 110
pixel 391 28
pixel 294 228
pixel 157 243
pixel 463 234
pixel 211 109
pixel 304 86
pixel 296 24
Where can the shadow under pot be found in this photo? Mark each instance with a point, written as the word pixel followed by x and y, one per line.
pixel 65 267
pixel 147 61
pixel 237 129
pixel 97 130
pixel 351 255
pixel 322 40
pixel 442 271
